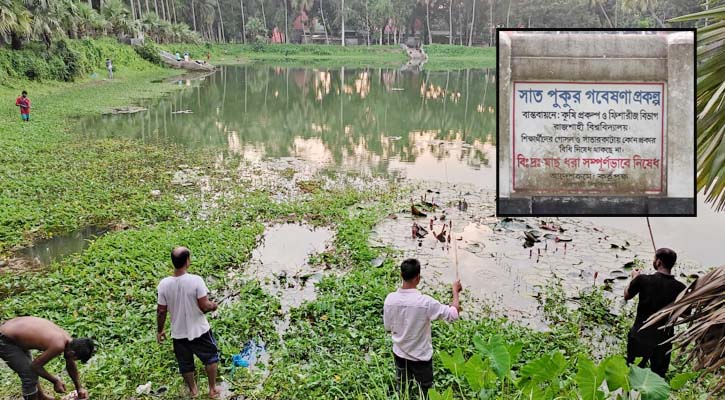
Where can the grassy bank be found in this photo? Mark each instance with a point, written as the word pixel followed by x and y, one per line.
pixel 443 56
pixel 440 57
pixel 327 55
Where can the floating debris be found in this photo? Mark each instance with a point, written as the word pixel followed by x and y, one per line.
pixel 126 110
pixel 377 261
pixel 182 112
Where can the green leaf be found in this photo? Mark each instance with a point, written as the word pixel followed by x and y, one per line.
pixel 453 363
pixel 532 391
pixel 498 354
pixel 475 372
pixel 616 373
pixel 588 379
pixel 650 385
pixel 679 380
pixel 447 395
pixel 544 369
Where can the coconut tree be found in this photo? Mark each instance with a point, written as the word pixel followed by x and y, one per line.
pixel 710 105
pixel 702 307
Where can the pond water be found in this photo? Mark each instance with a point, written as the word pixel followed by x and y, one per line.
pixel 427 125
pixel 434 128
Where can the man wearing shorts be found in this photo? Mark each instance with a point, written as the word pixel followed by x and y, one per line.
pixel 184 295
pixel 407 314
pixel 24 103
pixel 20 335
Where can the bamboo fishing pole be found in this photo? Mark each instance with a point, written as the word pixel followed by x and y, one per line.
pixel 455 251
pixel 651 236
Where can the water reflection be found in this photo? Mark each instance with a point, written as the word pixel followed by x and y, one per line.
pixel 439 124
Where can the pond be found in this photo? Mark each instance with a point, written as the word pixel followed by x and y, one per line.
pixel 427 125
pixel 434 128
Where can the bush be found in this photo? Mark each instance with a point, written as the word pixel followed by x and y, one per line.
pixel 149 52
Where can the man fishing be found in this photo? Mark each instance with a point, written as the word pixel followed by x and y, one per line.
pixel 655 292
pixel 407 314
pixel 24 103
pixel 20 335
pixel 185 296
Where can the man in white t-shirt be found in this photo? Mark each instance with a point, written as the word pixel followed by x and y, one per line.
pixel 407 314
pixel 184 295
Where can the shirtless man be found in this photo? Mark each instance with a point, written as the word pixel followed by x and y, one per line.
pixel 20 335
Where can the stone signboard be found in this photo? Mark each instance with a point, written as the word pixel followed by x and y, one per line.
pixel 588 137
pixel 595 123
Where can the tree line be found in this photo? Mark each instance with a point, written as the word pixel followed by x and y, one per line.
pixel 463 22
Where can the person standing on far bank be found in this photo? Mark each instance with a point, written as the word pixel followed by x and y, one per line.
pixel 24 103
pixel 407 314
pixel 185 296
pixel 109 67
pixel 655 292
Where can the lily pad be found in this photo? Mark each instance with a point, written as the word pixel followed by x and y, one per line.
pixel 629 265
pixel 474 248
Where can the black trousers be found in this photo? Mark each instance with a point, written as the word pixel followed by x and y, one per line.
pixel 657 355
pixel 408 371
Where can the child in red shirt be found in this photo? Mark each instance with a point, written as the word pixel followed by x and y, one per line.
pixel 24 103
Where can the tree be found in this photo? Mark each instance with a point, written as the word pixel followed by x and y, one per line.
pixel 710 105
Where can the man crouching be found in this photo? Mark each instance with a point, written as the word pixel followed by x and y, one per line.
pixel 20 335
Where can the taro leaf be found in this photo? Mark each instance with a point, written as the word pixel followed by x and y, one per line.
pixel 680 380
pixel 453 363
pixel 545 368
pixel 616 372
pixel 497 352
pixel 475 372
pixel 650 385
pixel 447 395
pixel 588 379
pixel 532 391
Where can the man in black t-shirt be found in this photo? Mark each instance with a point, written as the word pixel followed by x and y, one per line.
pixel 655 292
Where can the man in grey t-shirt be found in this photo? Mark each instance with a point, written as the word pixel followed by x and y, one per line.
pixel 185 296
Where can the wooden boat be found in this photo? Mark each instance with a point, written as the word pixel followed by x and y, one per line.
pixel 170 60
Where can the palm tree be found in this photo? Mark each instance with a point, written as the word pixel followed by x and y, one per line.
pixel 710 105
pixel 473 20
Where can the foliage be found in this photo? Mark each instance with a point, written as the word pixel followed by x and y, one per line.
pixel 710 104
pixel 149 51
pixel 489 374
pixel 700 306
pixel 66 60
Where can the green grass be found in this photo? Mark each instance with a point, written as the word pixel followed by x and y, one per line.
pixel 440 57
pixel 447 57
pixel 288 54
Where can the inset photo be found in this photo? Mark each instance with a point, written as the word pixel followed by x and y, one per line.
pixel 597 123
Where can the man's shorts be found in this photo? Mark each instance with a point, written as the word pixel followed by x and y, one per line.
pixel 18 359
pixel 204 347
pixel 419 371
pixel 25 117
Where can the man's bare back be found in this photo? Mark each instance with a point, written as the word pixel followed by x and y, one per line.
pixel 35 333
